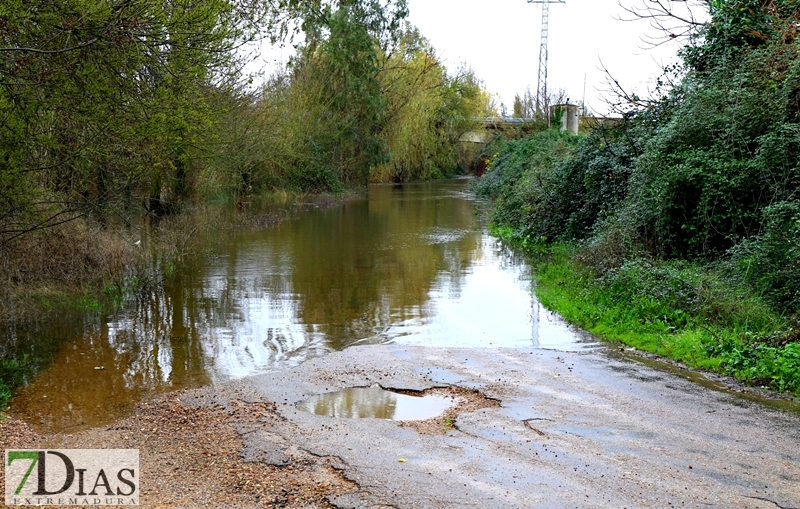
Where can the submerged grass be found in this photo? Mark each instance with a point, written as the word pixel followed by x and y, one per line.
pixel 686 312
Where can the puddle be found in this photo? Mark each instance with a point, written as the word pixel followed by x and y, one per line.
pixel 374 402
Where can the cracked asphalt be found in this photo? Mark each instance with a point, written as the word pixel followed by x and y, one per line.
pixel 581 429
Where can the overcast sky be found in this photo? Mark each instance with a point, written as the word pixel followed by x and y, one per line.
pixel 500 40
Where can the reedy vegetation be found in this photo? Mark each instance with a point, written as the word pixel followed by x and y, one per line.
pixel 686 212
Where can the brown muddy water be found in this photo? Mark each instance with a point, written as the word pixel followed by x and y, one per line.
pixel 409 264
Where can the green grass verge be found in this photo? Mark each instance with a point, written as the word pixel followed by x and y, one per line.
pixel 687 313
pixel 572 291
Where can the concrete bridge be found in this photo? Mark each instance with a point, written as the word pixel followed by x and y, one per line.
pixel 568 116
pixel 506 122
pixel 493 126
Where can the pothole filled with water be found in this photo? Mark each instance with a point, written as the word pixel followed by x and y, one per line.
pixel 431 412
pixel 376 402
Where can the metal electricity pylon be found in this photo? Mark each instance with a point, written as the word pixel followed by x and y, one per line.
pixel 541 87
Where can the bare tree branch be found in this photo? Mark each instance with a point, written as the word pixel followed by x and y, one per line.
pixel 623 100
pixel 670 19
pixel 50 52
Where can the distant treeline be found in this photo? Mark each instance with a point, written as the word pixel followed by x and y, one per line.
pixel 688 209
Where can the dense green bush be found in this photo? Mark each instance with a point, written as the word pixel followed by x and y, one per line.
pixel 718 170
pixel 557 186
pixel 771 260
pixel 521 178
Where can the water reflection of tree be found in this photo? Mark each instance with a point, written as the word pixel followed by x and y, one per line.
pixel 361 267
pixel 355 403
pixel 107 367
pixel 335 277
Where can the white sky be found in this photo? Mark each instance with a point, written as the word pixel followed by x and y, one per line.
pixel 499 40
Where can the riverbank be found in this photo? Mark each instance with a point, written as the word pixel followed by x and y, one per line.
pixel 86 265
pixel 627 256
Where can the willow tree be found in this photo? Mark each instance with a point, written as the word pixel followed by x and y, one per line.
pixel 366 106
pixel 428 110
pixel 336 78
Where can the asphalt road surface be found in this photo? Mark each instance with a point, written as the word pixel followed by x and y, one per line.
pixel 591 428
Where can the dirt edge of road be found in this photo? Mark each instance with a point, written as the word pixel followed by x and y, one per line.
pixel 191 443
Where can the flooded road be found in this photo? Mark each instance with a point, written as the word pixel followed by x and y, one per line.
pixel 331 321
pixel 572 429
pixel 410 264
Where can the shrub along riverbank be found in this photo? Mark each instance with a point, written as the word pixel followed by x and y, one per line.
pixel 676 228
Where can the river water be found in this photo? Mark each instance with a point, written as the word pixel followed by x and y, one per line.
pixel 410 264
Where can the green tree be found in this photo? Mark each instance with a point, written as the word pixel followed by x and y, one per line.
pixel 102 103
pixel 427 111
pixel 338 73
